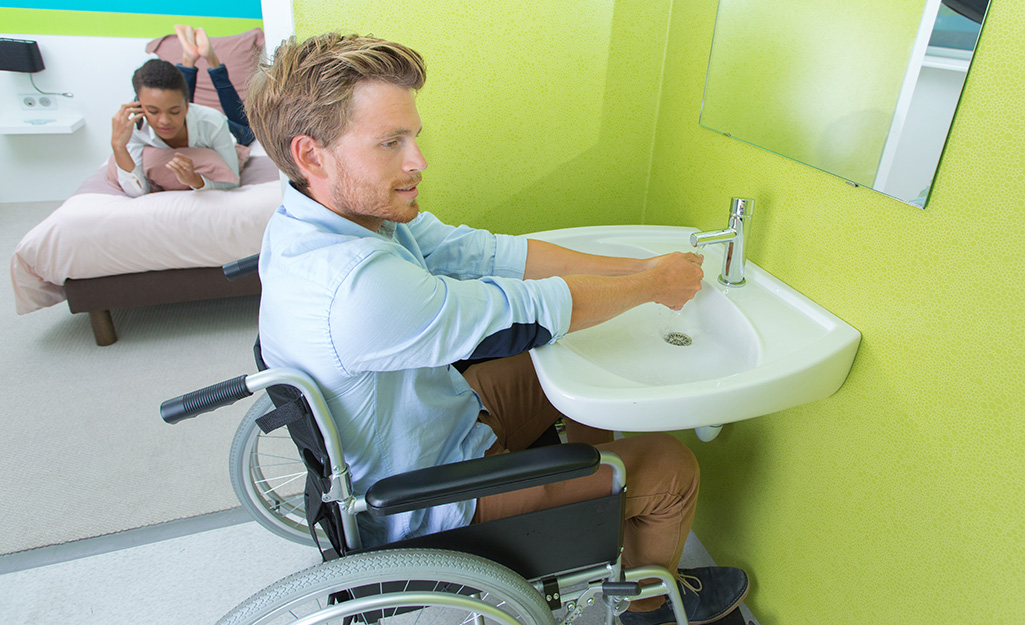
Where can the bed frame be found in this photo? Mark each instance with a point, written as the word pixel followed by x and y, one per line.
pixel 98 296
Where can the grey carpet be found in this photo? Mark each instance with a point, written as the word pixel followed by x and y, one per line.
pixel 83 451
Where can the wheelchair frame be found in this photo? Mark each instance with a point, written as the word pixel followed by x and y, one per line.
pixel 429 577
pixel 571 588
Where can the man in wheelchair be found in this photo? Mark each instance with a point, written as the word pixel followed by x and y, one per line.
pixel 376 300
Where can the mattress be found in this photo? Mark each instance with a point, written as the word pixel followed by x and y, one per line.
pixel 100 231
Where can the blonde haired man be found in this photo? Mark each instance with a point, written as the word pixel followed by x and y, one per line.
pixel 376 300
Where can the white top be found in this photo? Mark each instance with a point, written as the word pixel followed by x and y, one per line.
pixel 208 128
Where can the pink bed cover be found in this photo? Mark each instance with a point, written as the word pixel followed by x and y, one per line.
pixel 100 231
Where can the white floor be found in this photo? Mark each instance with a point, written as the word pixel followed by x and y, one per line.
pixel 190 571
pixel 195 578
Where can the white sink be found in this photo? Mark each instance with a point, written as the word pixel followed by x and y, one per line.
pixel 732 353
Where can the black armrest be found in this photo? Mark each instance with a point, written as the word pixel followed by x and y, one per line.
pixel 479 477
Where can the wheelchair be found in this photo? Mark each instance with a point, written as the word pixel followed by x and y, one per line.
pixel 522 569
pixel 268 476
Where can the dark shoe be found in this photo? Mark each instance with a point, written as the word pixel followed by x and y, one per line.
pixel 708 593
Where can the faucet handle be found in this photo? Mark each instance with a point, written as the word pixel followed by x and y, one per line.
pixel 742 207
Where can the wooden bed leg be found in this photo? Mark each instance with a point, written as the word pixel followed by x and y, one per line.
pixel 103 327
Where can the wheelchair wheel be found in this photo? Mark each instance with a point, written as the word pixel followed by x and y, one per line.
pixel 268 476
pixel 403 586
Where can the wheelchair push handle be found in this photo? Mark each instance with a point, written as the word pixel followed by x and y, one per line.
pixel 204 400
pixel 241 268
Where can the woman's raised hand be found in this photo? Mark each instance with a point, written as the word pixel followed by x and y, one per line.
pixel 123 123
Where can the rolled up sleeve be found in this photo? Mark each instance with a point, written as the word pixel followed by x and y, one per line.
pixel 465 253
pixel 428 320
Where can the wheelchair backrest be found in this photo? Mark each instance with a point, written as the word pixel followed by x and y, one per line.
pixel 293 412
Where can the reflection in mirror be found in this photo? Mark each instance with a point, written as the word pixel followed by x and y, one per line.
pixel 866 91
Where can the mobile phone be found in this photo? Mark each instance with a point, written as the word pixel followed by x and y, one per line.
pixel 138 122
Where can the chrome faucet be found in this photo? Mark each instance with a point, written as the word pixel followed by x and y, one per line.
pixel 733 236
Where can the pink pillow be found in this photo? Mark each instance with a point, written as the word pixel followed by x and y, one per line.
pixel 207 162
pixel 239 53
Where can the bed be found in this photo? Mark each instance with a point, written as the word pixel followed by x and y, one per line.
pixel 102 250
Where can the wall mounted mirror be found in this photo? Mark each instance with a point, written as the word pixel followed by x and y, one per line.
pixel 866 91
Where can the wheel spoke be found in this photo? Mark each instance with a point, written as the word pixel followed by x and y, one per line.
pixel 291 460
pixel 289 478
pixel 288 508
pixel 293 463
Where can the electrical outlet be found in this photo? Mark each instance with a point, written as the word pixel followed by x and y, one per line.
pixel 31 102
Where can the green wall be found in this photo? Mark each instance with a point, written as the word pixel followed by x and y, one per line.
pixel 104 24
pixel 900 499
pixel 536 114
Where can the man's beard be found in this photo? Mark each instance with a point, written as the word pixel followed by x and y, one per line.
pixel 351 195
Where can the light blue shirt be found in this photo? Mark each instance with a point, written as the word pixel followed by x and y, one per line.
pixel 376 318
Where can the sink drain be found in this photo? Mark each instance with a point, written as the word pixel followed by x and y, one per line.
pixel 677 338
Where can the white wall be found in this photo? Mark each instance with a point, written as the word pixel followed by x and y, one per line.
pixel 278 22
pixel 98 70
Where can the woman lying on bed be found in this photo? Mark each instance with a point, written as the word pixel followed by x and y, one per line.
pixel 161 117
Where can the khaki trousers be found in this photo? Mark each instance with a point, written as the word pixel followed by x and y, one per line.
pixel 661 473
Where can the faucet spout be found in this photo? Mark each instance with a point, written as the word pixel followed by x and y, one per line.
pixel 701 239
pixel 733 237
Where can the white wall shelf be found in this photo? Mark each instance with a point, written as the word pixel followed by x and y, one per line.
pixel 948 63
pixel 41 123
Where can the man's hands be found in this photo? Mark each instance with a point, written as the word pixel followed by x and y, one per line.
pixel 605 286
pixel 677 278
pixel 671 280
pixel 184 169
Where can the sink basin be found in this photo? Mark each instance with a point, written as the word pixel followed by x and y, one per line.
pixel 731 353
